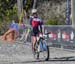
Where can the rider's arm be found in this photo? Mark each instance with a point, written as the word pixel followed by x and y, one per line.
pixel 30 20
pixel 41 23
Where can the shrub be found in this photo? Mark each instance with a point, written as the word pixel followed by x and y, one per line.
pixel 52 21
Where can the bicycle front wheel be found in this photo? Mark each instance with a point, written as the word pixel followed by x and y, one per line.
pixel 44 55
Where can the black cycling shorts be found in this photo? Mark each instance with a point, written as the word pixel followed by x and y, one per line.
pixel 35 31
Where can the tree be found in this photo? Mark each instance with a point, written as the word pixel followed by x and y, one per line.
pixel 7 8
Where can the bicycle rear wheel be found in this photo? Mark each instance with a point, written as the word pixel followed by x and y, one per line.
pixel 36 52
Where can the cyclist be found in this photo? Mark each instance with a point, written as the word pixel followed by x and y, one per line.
pixel 36 24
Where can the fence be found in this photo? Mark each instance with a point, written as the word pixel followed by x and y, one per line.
pixel 61 36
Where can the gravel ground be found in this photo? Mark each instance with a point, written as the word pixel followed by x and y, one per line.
pixel 20 53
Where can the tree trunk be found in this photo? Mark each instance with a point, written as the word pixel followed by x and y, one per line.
pixel 34 4
pixel 19 7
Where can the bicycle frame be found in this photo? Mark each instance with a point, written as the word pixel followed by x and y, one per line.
pixel 43 46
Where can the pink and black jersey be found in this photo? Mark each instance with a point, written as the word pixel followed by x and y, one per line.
pixel 35 22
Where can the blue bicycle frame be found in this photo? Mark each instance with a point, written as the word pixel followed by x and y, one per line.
pixel 43 46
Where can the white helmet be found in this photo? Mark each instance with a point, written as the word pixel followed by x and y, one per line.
pixel 34 11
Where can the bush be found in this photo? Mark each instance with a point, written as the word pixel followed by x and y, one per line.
pixel 52 21
pixel 4 27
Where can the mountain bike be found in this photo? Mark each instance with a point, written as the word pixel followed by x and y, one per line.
pixel 42 49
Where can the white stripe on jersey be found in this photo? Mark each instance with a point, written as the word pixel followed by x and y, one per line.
pixel 36 19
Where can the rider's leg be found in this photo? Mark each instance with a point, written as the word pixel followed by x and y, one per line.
pixel 34 34
pixel 34 42
pixel 4 37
